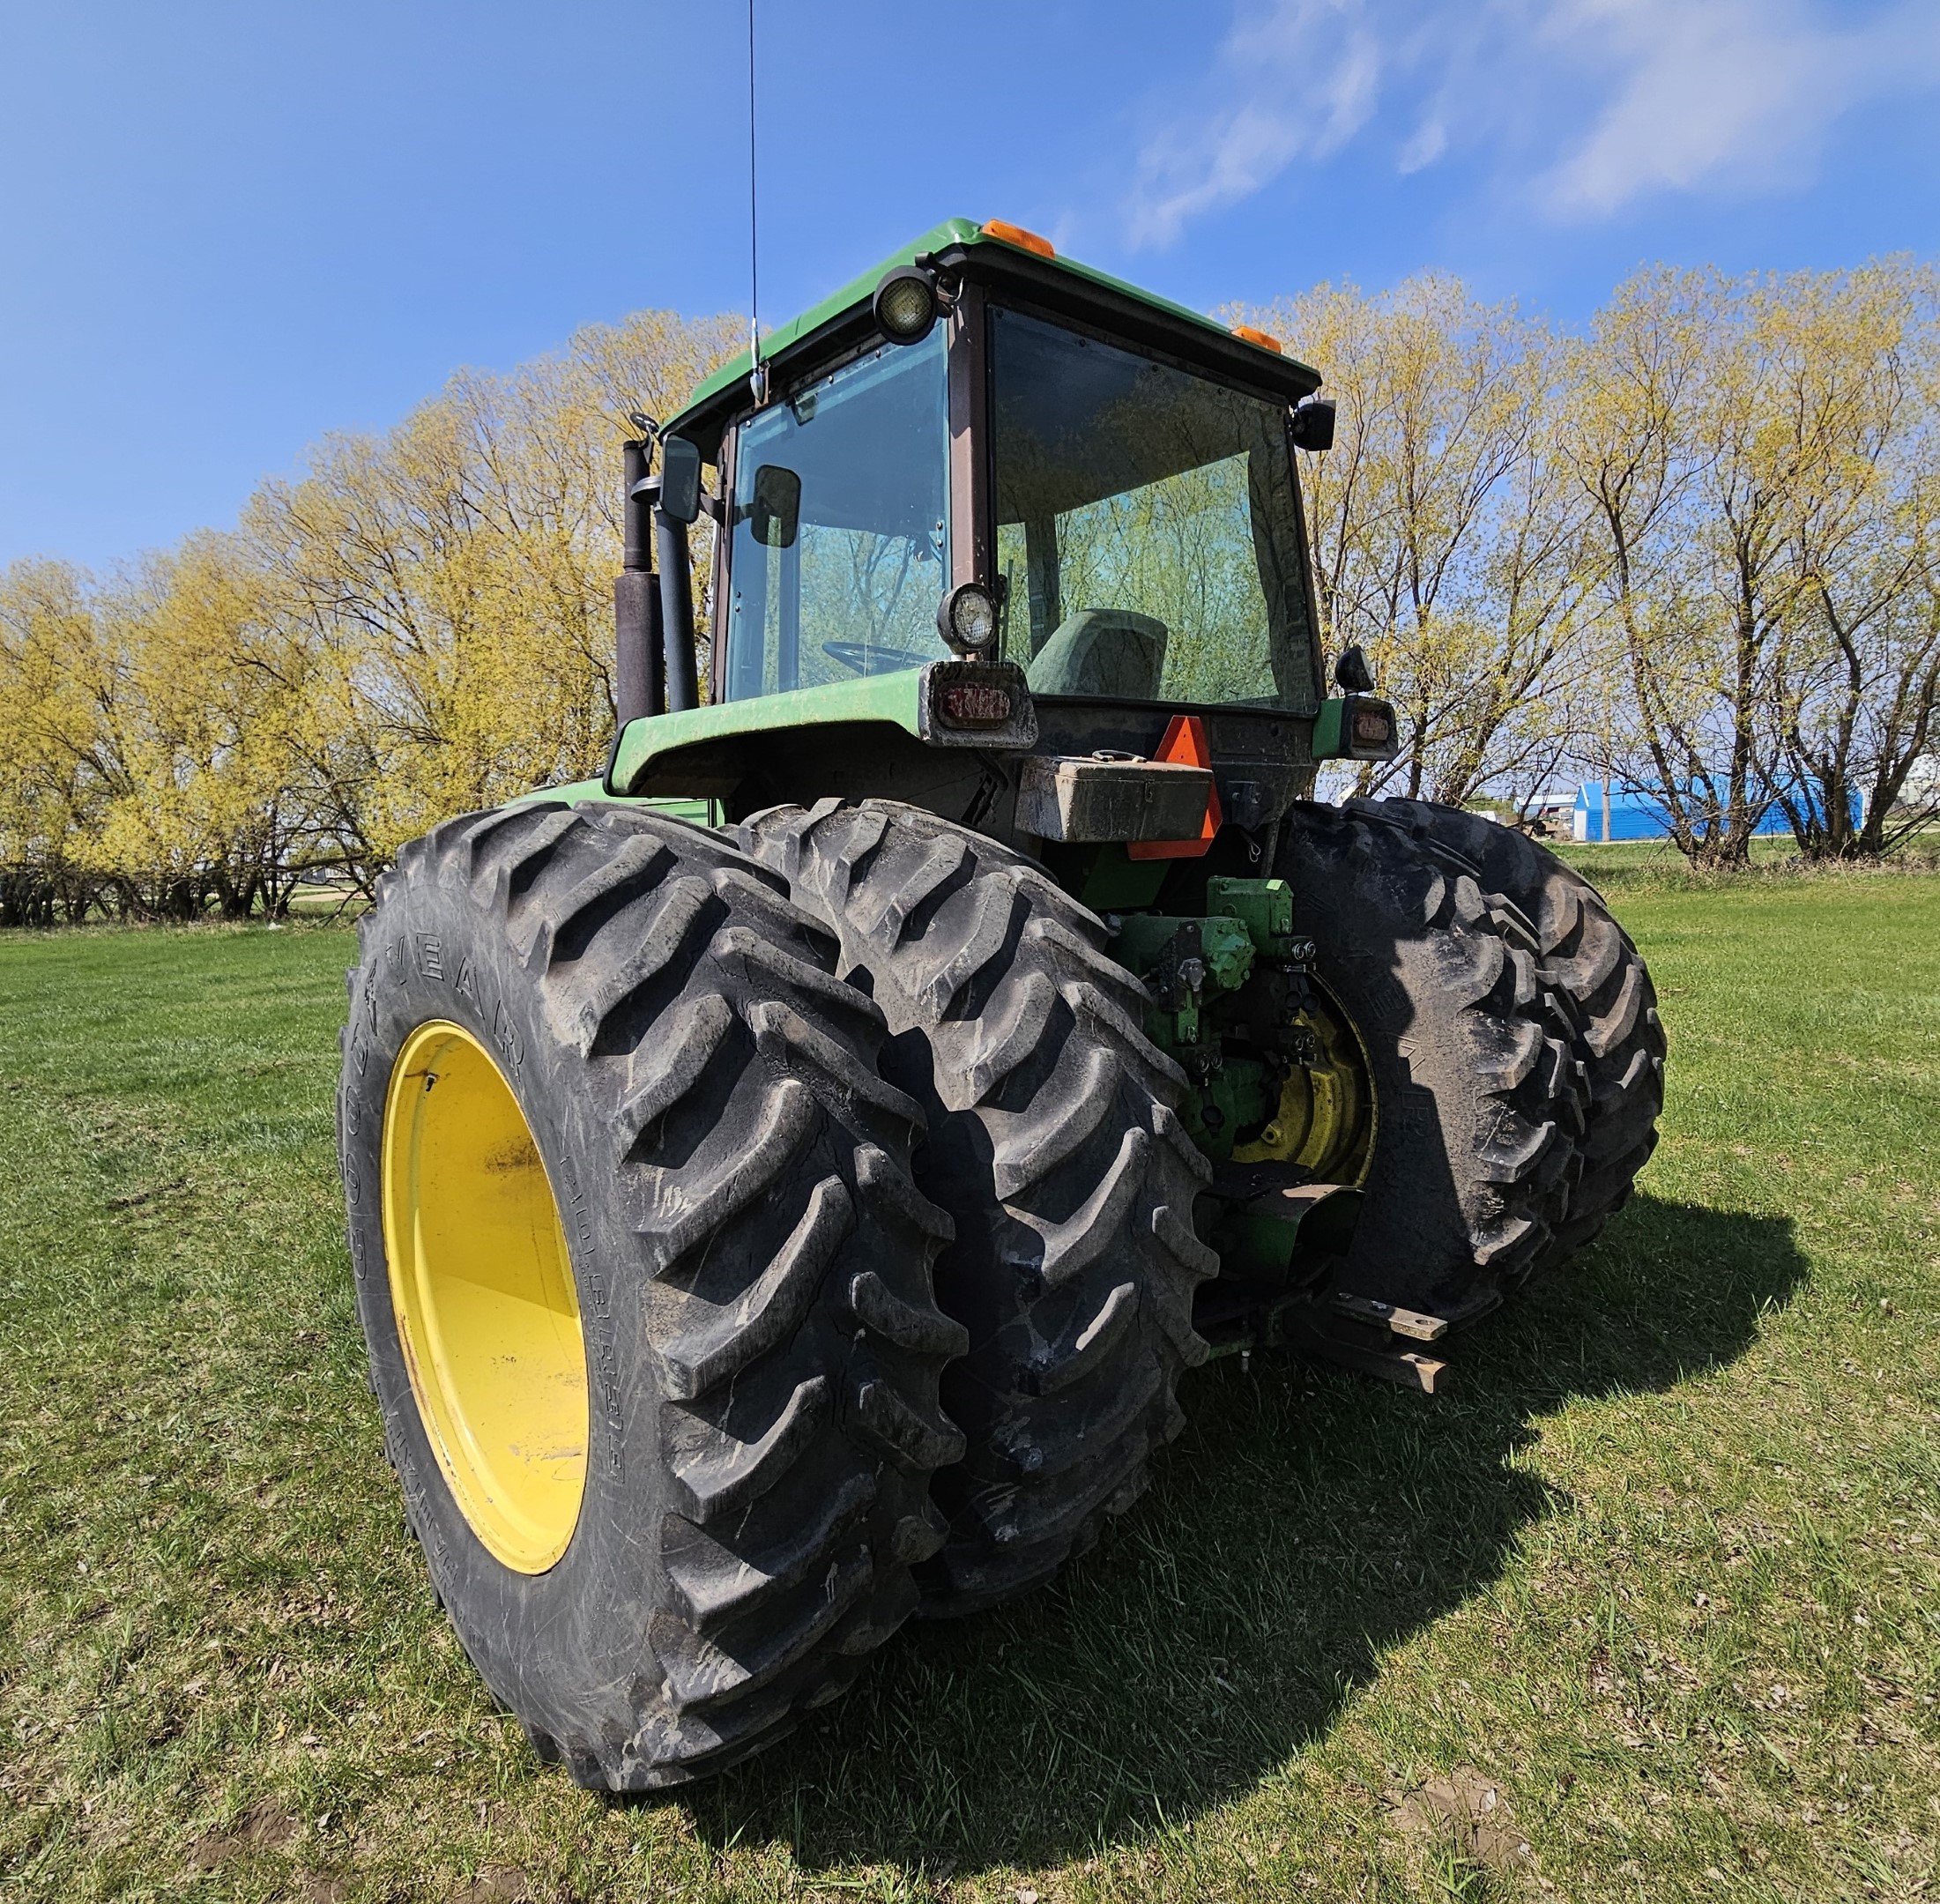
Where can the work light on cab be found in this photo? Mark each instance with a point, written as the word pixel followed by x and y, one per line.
pixel 905 304
pixel 967 619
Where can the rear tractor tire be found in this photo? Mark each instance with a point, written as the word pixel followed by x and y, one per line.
pixel 1053 1143
pixel 1510 1039
pixel 645 1279
pixel 1596 992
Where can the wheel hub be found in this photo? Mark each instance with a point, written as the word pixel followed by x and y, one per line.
pixel 481 1287
pixel 1324 1121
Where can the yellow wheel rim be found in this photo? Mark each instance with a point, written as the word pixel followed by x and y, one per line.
pixel 1326 1117
pixel 482 1289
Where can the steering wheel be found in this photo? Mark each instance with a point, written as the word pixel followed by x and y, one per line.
pixel 863 658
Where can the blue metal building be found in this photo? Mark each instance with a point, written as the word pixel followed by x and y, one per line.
pixel 1604 812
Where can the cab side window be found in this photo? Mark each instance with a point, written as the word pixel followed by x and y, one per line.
pixel 839 552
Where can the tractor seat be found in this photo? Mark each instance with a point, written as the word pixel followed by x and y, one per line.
pixel 1102 651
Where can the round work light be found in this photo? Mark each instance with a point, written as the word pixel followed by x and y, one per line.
pixel 968 618
pixel 905 304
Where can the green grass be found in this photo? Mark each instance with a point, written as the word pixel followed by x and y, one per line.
pixel 1628 865
pixel 1658 1574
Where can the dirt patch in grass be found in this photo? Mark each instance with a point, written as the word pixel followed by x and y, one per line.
pixel 1464 1818
pixel 264 1826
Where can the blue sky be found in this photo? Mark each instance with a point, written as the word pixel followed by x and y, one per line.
pixel 226 228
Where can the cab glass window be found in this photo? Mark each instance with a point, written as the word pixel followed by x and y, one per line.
pixel 839 554
pixel 1147 531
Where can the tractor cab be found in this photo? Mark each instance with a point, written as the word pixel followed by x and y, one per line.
pixel 994 505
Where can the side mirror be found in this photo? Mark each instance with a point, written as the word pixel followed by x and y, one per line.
pixel 1352 672
pixel 776 512
pixel 680 479
pixel 1313 423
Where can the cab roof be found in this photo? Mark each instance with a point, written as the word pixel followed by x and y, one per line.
pixel 1061 285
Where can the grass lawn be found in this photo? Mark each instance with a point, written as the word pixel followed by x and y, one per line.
pixel 1644 1607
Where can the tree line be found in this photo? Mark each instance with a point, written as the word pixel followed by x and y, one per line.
pixel 1694 546
pixel 421 624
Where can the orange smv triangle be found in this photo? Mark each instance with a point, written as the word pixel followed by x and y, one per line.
pixel 1185 742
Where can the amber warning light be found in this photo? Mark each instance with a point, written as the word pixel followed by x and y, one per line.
pixel 1025 241
pixel 974 704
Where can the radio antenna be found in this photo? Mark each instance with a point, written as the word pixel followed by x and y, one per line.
pixel 757 372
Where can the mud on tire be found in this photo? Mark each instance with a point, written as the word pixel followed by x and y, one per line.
pixel 752 1263
pixel 1053 1143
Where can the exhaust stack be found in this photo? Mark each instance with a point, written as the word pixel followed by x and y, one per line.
pixel 640 644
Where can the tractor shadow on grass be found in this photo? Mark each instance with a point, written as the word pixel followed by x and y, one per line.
pixel 1305 1521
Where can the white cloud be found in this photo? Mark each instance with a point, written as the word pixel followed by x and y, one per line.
pixel 1738 93
pixel 1585 106
pixel 1296 82
pixel 1429 143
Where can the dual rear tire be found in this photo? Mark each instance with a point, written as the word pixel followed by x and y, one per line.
pixel 1053 1142
pixel 702 1367
pixel 646 1280
pixel 1511 1036
pixel 1595 994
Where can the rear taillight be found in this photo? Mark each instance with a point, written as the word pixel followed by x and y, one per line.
pixel 977 703
pixel 974 704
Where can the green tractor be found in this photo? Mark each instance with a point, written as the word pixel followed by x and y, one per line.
pixel 788 1174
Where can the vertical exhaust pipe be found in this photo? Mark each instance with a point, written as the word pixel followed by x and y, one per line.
pixel 676 612
pixel 640 644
